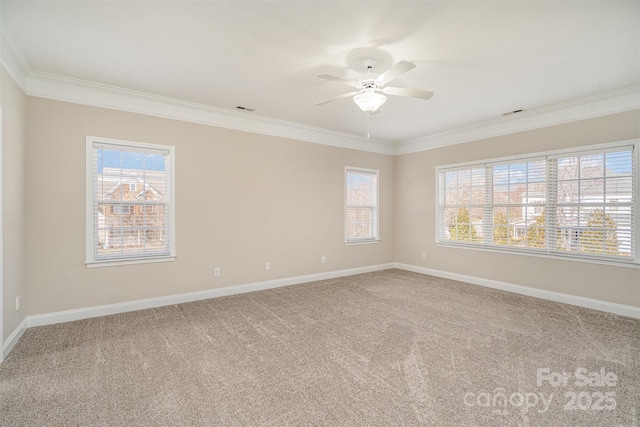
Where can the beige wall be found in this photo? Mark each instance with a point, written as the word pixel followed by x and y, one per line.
pixel 415 210
pixel 14 109
pixel 242 199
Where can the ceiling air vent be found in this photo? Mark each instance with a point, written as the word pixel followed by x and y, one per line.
pixel 240 107
pixel 512 112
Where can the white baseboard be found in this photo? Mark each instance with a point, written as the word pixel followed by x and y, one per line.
pixel 104 310
pixel 14 337
pixel 609 307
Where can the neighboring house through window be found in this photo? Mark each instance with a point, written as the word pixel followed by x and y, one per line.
pixel 130 208
pixel 361 213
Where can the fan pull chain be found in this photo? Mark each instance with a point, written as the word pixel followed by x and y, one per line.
pixel 368 124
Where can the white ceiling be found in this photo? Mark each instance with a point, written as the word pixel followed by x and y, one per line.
pixel 480 58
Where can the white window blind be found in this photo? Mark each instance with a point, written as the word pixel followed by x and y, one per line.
pixel 462 201
pixel 592 203
pixel 361 214
pixel 518 197
pixel 131 209
pixel 578 203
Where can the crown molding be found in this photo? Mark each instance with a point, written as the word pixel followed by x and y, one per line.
pixel 618 101
pixel 77 91
pixel 61 88
pixel 51 86
pixel 13 62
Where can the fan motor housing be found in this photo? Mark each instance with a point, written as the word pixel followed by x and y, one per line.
pixel 367 84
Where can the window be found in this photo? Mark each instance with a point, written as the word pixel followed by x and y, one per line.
pixel 121 209
pixel 518 190
pixel 361 216
pixel 127 222
pixel 578 203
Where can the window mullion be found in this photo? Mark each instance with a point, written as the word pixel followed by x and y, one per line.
pixel 551 209
pixel 635 192
pixel 488 206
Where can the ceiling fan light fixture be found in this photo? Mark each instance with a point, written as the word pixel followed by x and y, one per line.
pixel 369 101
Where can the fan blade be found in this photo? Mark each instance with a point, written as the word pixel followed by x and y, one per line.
pixel 395 72
pixel 335 98
pixel 337 79
pixel 411 93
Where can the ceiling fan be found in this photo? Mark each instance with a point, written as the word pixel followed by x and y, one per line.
pixel 371 91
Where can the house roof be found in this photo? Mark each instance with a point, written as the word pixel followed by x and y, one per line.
pixel 139 195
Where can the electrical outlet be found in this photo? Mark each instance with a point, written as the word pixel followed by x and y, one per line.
pixel 216 272
pixel 424 255
pixel 324 259
pixel 267 265
pixel 17 303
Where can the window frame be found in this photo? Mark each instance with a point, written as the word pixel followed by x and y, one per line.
pixel 90 260
pixel 548 251
pixel 123 211
pixel 376 208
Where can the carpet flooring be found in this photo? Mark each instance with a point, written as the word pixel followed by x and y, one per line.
pixel 378 349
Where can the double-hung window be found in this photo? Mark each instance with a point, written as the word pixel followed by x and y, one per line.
pixel 361 213
pixel 580 203
pixel 130 202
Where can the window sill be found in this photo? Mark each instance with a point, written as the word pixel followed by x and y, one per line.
pixel 361 242
pixel 521 252
pixel 117 262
